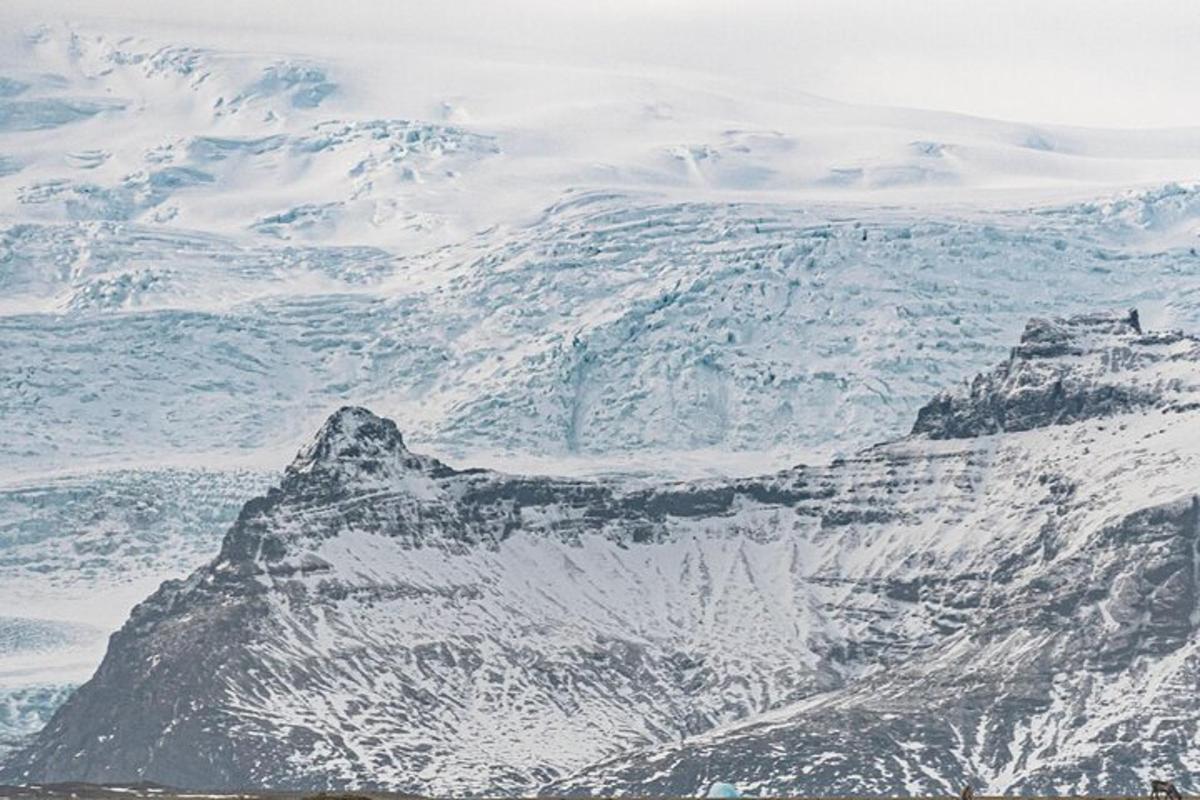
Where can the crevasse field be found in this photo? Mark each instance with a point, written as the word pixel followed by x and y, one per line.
pixel 543 265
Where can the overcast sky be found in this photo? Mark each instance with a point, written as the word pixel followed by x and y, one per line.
pixel 1085 62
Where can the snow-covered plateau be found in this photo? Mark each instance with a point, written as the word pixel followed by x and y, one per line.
pixel 647 283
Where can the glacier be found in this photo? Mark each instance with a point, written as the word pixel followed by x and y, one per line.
pixel 205 248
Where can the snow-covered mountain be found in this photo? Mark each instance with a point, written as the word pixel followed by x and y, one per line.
pixel 1008 597
pixel 212 235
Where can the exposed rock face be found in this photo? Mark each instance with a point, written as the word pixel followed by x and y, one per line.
pixel 1065 371
pixel 1018 611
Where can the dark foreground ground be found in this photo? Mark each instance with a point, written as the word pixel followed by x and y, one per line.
pixel 88 791
pixel 91 791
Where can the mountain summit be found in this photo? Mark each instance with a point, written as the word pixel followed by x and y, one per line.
pixel 1009 597
pixel 354 448
pixel 352 434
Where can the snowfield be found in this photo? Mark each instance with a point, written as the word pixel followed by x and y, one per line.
pixel 206 247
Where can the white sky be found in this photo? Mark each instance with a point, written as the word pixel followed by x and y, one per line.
pixel 1086 62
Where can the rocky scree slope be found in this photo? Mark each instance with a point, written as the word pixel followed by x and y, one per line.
pixel 1008 596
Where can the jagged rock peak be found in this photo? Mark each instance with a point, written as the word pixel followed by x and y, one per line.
pixel 356 442
pixel 1067 370
pixel 1048 338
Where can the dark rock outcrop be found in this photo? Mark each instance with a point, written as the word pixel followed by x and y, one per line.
pixel 1063 371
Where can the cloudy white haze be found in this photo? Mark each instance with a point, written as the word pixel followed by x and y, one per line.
pixel 1078 62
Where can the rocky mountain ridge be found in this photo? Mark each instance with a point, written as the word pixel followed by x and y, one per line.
pixel 1007 597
